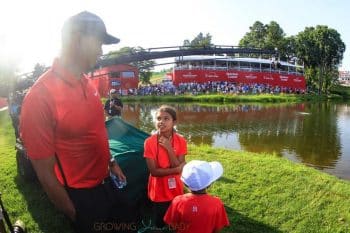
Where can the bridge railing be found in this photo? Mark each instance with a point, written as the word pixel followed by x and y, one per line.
pixel 178 51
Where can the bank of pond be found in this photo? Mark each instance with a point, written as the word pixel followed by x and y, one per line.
pixel 233 98
pixel 261 192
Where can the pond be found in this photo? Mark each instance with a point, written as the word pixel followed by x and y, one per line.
pixel 315 134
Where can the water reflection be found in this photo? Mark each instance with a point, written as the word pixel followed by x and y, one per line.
pixel 313 134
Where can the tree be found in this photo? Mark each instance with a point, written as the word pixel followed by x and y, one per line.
pixel 321 49
pixel 7 77
pixel 39 69
pixel 25 81
pixel 255 37
pixel 269 36
pixel 289 49
pixel 274 36
pixel 199 41
pixel 144 67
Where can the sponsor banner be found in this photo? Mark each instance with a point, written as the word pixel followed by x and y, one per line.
pixel 251 76
pixel 204 76
pixel 284 78
pixel 232 75
pixel 211 75
pixel 190 75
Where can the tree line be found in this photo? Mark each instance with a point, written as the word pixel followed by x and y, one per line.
pixel 319 49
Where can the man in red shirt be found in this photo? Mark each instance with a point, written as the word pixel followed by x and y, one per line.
pixel 62 127
pixel 198 212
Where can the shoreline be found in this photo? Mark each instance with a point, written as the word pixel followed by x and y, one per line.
pixel 261 192
pixel 229 98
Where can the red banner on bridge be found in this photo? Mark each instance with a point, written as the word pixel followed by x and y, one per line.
pixel 234 76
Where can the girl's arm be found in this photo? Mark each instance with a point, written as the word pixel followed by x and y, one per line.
pixel 157 171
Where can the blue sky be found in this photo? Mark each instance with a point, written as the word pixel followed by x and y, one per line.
pixel 31 33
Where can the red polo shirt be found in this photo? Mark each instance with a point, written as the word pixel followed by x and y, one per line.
pixel 165 188
pixel 64 115
pixel 191 213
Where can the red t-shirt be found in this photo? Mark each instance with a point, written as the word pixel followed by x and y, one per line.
pixel 192 213
pixel 63 115
pixel 165 188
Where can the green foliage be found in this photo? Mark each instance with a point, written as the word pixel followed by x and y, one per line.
pixel 39 69
pixel 217 98
pixel 158 76
pixel 320 46
pixel 144 67
pixel 341 91
pixel 7 77
pixel 9 81
pixel 266 36
pixel 255 37
pixel 199 41
pixel 321 49
pixel 288 49
pixel 23 200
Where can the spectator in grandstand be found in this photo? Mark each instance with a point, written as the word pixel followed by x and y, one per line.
pixel 63 129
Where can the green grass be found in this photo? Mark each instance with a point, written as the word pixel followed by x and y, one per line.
pixel 262 193
pixel 265 193
pixel 23 200
pixel 157 77
pixel 341 91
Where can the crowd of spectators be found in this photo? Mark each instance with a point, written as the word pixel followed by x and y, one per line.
pixel 213 87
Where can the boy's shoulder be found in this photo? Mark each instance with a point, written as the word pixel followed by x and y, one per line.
pixel 189 198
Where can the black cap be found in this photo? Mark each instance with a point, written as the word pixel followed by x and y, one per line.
pixel 89 24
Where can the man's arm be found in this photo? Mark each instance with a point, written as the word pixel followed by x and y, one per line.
pixel 116 170
pixel 44 169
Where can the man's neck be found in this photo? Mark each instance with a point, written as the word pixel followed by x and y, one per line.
pixel 72 65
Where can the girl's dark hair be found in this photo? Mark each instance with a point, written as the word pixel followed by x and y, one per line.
pixel 168 109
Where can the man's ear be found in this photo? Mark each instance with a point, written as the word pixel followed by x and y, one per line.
pixel 78 40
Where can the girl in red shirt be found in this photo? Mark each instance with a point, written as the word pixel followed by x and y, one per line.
pixel 165 156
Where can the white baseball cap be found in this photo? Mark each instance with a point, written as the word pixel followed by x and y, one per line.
pixel 198 175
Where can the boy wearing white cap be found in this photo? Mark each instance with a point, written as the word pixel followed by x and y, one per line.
pixel 198 211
